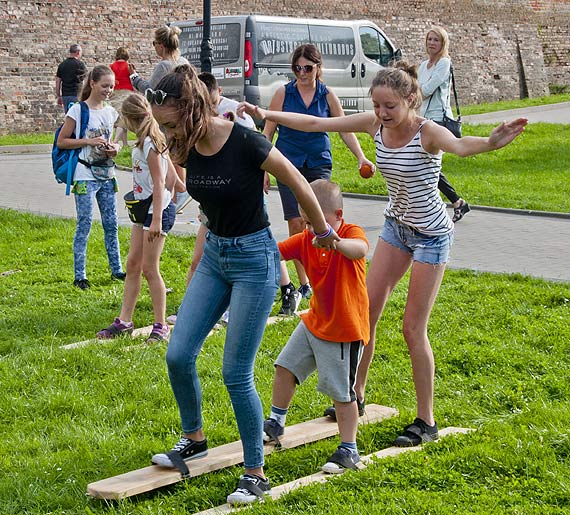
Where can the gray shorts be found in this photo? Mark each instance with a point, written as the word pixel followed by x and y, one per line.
pixel 335 362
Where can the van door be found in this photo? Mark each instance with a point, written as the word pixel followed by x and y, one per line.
pixel 227 39
pixel 377 52
pixel 338 48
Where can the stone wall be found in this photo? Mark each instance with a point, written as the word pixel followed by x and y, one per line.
pixel 500 49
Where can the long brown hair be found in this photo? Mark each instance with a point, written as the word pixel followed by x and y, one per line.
pixel 138 117
pixel 95 75
pixel 189 95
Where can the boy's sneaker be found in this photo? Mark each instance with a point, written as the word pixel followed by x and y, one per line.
pixel 187 450
pixel 290 300
pixel 342 460
pixel 119 276
pixel 171 319
pixel 251 488
pixel 116 329
pixel 416 433
pixel 82 284
pixel 306 291
pixel 159 333
pixel 272 430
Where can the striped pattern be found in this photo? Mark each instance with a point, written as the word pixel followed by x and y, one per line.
pixel 412 175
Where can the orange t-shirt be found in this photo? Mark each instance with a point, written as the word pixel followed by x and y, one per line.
pixel 339 305
pixel 122 75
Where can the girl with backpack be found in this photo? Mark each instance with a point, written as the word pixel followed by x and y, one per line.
pixel 94 178
pixel 151 166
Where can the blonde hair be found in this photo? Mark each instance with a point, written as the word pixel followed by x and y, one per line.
pixel 443 36
pixel 95 75
pixel 328 195
pixel 402 78
pixel 168 38
pixel 190 96
pixel 138 118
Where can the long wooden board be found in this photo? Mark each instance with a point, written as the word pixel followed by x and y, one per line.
pixel 321 477
pixel 145 331
pixel 150 478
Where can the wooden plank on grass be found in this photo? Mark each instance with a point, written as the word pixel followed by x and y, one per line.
pixel 322 477
pixel 145 331
pixel 150 478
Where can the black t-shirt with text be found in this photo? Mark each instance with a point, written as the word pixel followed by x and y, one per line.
pixel 229 184
pixel 72 71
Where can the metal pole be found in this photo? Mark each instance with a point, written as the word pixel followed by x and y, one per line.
pixel 206 48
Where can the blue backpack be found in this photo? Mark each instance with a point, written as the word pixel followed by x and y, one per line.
pixel 64 160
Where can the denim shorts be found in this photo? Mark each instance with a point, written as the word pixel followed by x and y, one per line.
pixel 288 200
pixel 168 217
pixel 432 250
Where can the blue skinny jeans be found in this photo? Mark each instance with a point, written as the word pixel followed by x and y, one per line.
pixel 242 273
pixel 104 193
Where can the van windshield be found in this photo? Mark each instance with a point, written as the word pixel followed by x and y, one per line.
pixel 225 38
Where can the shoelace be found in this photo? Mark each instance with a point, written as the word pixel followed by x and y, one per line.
pixel 183 442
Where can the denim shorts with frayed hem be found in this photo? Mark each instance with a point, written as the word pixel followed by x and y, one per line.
pixel 432 250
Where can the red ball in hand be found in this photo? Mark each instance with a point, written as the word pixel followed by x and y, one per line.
pixel 366 171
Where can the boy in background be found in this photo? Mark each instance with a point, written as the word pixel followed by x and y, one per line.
pixel 330 337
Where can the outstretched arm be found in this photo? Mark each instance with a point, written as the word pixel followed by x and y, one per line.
pixel 359 122
pixel 439 138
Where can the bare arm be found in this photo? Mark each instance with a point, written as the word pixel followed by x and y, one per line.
pixel 352 248
pixel 360 122
pixel 282 169
pixel 276 104
pixel 198 251
pixel 349 138
pixel 155 167
pixel 58 90
pixel 436 138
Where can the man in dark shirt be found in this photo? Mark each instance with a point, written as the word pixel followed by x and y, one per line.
pixel 70 74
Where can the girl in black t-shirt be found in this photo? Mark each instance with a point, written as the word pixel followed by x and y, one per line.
pixel 239 268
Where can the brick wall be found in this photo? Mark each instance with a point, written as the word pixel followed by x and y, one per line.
pixel 495 44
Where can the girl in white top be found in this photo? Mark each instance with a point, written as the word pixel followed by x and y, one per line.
pixel 417 232
pixel 153 174
pixel 94 178
pixel 434 76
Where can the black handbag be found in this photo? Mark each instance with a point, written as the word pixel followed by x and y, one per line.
pixel 137 208
pixel 453 126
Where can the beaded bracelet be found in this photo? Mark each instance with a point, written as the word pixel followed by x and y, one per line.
pixel 325 234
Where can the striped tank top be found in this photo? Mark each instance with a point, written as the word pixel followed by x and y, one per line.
pixel 412 175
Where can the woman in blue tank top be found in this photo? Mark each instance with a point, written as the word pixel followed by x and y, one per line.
pixel 310 152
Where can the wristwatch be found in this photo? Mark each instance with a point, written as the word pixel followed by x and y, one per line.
pixel 133 76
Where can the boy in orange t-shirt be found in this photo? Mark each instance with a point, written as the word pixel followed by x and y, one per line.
pixel 331 335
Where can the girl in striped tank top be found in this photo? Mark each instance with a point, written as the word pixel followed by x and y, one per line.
pixel 417 230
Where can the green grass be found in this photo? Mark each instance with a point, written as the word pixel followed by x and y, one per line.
pixel 68 418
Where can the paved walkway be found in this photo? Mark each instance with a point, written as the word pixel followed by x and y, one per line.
pixel 485 240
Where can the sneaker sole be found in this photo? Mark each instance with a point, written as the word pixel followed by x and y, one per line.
pixel 242 500
pixel 333 468
pixel 162 460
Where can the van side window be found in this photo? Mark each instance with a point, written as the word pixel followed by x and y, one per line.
pixel 277 41
pixel 336 44
pixel 225 38
pixel 375 46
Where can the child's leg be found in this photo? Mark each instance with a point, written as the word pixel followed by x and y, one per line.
pixel 84 193
pixel 284 383
pixel 107 201
pixel 151 270
pixel 347 420
pixel 134 274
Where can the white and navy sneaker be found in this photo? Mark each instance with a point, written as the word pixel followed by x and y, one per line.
pixel 251 488
pixel 186 449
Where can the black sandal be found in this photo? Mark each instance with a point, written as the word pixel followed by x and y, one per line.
pixel 417 433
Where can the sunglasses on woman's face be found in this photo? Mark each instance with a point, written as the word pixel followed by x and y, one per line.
pixel 307 68
pixel 158 96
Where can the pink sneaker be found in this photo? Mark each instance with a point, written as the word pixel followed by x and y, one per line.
pixel 116 329
pixel 159 333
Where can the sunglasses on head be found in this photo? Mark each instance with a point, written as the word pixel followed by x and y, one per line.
pixel 307 68
pixel 158 96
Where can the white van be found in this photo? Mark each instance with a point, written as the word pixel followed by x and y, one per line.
pixel 251 54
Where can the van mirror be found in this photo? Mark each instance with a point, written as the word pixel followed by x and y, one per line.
pixel 398 55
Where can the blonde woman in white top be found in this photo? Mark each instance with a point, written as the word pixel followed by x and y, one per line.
pixel 434 76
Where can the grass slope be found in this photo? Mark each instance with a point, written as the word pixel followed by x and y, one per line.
pixel 68 418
